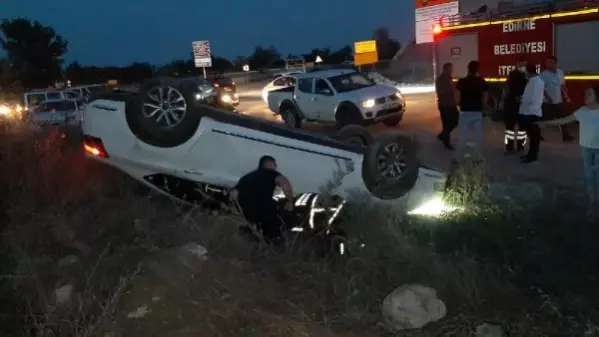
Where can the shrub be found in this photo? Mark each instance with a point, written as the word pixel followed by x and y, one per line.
pixel 531 270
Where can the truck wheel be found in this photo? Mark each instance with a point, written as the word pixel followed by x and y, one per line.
pixel 390 167
pixel 165 114
pixel 393 121
pixel 354 134
pixel 348 114
pixel 290 116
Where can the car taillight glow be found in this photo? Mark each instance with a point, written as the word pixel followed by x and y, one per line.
pixel 94 146
pixel 216 85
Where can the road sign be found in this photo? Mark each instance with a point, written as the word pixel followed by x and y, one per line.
pixel 361 47
pixel 202 54
pixel 366 58
pixel 428 13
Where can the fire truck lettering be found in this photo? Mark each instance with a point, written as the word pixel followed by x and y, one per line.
pixel 519 26
pixel 503 71
pixel 520 48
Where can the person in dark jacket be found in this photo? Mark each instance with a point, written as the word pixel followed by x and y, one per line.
pixel 516 82
pixel 448 106
pixel 254 194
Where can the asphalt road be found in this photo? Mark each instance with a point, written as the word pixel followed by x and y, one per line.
pixel 558 162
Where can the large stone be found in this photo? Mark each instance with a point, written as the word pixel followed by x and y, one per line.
pixel 63 294
pixel 412 306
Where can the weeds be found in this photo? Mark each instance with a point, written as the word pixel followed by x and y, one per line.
pixel 530 271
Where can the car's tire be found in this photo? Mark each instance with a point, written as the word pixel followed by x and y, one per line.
pixel 390 166
pixel 355 135
pixel 348 114
pixel 166 112
pixel 290 115
pixel 393 121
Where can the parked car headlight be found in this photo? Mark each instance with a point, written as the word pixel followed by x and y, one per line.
pixel 399 95
pixel 369 103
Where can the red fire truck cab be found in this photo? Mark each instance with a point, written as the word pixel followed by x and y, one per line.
pixel 568 30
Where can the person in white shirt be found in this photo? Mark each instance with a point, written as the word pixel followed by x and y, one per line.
pixel 531 112
pixel 556 94
pixel 588 118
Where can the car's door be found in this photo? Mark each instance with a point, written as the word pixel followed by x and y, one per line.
pixel 304 97
pixel 323 100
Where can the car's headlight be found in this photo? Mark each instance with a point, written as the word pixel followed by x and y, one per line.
pixel 434 207
pixel 4 110
pixel 399 95
pixel 369 103
pixel 226 98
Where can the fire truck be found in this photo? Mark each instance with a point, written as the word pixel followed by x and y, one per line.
pixel 567 29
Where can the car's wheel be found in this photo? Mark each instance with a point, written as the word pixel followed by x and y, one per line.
pixel 393 121
pixel 290 116
pixel 348 114
pixel 390 167
pixel 165 113
pixel 355 135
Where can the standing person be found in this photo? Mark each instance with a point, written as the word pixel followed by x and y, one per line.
pixel 588 118
pixel 254 193
pixel 555 94
pixel 531 112
pixel 447 105
pixel 516 82
pixel 473 94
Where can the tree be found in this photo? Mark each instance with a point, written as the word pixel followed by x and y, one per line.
pixel 221 64
pixel 8 81
pixel 385 46
pixel 263 57
pixel 35 51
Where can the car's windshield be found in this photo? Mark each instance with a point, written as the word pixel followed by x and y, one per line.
pixel 350 81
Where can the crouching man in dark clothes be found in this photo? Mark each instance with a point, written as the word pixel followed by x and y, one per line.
pixel 254 193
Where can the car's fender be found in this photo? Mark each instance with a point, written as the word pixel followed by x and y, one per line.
pixel 293 103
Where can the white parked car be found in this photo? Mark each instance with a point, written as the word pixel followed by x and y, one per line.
pixel 280 82
pixel 340 96
pixel 57 112
pixel 166 133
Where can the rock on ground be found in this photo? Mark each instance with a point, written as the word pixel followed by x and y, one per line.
pixel 412 306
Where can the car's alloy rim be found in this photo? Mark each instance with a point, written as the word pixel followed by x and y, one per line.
pixel 390 161
pixel 166 106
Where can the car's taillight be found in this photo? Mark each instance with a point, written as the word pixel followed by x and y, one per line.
pixel 93 146
pixel 216 85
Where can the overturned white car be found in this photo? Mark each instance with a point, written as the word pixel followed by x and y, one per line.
pixel 168 139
